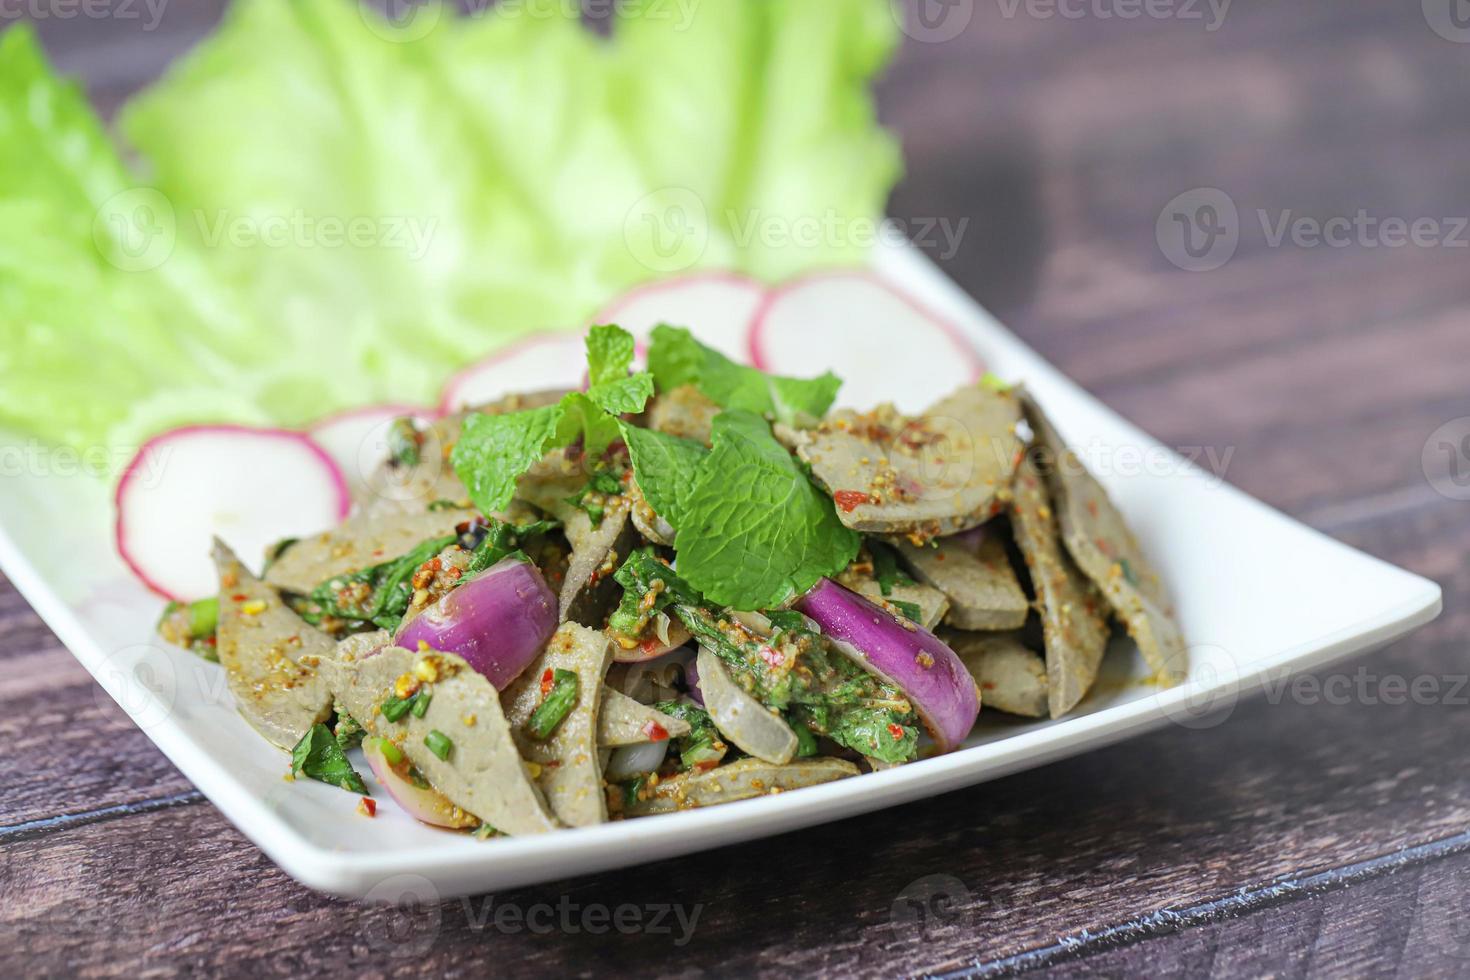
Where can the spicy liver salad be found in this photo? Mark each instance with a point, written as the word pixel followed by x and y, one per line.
pixel 677 587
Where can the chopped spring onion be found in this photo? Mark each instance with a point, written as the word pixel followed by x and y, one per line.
pixel 439 743
pixel 555 707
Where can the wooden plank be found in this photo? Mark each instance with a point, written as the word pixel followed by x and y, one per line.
pixel 1177 818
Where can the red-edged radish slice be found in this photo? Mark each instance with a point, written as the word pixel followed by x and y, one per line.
pixel 869 334
pixel 717 307
pixel 536 363
pixel 357 439
pixel 250 487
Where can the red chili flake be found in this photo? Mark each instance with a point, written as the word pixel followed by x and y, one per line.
pixel 895 731
pixel 655 731
pixel 546 679
pixel 649 645
pixel 770 656
pixel 239 597
pixel 368 807
pixel 849 500
pixel 1092 507
pixel 210 640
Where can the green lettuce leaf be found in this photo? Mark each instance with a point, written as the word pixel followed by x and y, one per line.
pixel 99 306
pixel 756 531
pixel 354 209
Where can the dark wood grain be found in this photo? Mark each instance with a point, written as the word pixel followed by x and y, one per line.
pixel 1296 838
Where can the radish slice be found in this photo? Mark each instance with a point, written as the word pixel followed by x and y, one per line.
pixel 859 327
pixel 357 440
pixel 251 487
pixel 717 307
pixel 536 363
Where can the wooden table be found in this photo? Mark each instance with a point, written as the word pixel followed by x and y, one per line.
pixel 1300 838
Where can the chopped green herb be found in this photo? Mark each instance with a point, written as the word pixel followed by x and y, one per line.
pixel 347 731
pixel 592 498
pixel 395 708
pixel 405 442
pixel 632 788
pixel 787 619
pixel 1128 573
pixel 557 704
pixel 274 552
pixel 503 540
pixel 910 610
pixel 319 756
pixel 702 748
pixel 439 743
pixel 390 751
pixel 995 383
pixel 192 625
pixel 421 702
pixel 806 742
pixel 378 595
pixel 438 505
pixel 886 568
pixel 484 832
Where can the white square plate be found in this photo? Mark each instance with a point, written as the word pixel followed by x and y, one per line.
pixel 1258 595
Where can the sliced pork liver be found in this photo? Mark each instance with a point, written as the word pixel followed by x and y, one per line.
pixel 946 471
pixel 1106 551
pixel 270 656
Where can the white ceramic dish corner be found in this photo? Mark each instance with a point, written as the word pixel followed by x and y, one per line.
pixel 1243 576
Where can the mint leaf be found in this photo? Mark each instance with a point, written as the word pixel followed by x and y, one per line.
pixel 626 395
pixel 609 357
pixel 319 756
pixel 494 450
pixel 664 467
pixel 756 531
pixel 676 358
pixel 582 418
pixel 609 354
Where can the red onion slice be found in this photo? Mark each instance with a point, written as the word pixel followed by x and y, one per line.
pixel 426 805
pixel 907 656
pixel 498 621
